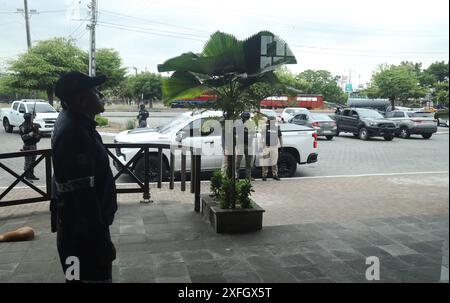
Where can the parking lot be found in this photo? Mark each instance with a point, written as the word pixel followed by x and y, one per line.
pixel 345 155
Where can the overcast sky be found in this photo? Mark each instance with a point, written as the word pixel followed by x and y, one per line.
pixel 339 36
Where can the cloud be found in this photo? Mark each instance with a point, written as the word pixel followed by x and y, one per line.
pixel 338 36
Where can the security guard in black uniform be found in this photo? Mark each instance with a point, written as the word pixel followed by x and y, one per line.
pixel 29 132
pixel 142 116
pixel 84 200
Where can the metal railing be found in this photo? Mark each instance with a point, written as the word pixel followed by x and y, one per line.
pixel 143 185
pixel 44 196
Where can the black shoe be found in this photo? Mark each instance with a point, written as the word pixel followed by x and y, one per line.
pixel 33 177
pixel 264 179
pixel 276 178
pixel 29 179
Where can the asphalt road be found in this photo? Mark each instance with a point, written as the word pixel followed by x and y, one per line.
pixel 344 155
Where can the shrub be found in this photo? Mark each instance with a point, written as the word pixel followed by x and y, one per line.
pixel 226 193
pixel 245 190
pixel 130 124
pixel 101 121
pixel 216 183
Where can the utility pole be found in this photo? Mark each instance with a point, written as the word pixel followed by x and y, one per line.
pixel 27 14
pixel 91 27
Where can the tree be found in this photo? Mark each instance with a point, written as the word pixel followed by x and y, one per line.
pixel 436 72
pixel 227 67
pixel 396 83
pixel 146 86
pixel 108 63
pixel 43 64
pixel 440 93
pixel 322 82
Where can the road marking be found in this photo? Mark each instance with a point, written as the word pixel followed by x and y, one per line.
pixel 372 175
pixel 293 178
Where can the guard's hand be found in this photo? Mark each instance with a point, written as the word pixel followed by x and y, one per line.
pixel 109 256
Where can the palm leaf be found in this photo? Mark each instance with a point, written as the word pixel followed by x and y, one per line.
pixel 182 85
pixel 266 52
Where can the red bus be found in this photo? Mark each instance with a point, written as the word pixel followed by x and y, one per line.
pixel 302 100
pixel 309 101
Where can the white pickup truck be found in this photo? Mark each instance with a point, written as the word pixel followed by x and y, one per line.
pixel 299 145
pixel 45 115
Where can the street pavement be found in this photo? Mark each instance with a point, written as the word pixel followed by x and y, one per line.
pixel 342 156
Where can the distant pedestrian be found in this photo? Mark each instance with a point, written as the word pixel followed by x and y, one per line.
pixel 142 116
pixel 29 132
pixel 85 201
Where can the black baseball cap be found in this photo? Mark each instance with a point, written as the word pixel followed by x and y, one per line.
pixel 72 83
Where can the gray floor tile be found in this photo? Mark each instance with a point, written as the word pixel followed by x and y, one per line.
pixel 309 272
pixel 259 262
pixel 171 270
pixel 165 258
pixel 241 277
pixel 196 255
pixel 139 274
pixel 397 250
pixel 293 260
pixel 185 279
pixel 209 278
pixel 276 276
pixel 347 254
pixel 200 268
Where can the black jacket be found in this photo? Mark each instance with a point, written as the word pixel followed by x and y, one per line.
pixel 25 129
pixel 143 114
pixel 84 198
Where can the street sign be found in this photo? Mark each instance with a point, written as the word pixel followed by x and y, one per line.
pixel 348 88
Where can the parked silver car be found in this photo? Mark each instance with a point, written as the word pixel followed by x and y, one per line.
pixel 322 123
pixel 413 123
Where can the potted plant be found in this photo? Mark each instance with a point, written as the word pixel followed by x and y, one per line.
pixel 244 216
pixel 228 68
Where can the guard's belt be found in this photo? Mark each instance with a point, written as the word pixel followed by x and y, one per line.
pixel 76 184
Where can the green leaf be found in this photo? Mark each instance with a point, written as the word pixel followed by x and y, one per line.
pixel 181 85
pixel 265 52
pixel 219 43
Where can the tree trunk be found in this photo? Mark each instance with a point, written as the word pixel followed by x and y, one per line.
pixel 392 99
pixel 50 95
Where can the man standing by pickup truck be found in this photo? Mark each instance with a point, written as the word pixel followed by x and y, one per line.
pixel 271 141
pixel 29 132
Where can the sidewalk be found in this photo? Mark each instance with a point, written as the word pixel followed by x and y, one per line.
pixel 323 234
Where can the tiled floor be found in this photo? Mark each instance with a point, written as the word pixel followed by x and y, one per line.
pixel 168 242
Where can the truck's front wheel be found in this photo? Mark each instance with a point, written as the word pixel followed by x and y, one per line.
pixel 153 169
pixel 287 165
pixel 364 134
pixel 8 127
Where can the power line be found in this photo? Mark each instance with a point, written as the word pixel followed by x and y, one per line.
pixel 142 20
pixel 149 32
pixel 78 27
pixel 373 56
pixel 366 51
pixel 152 29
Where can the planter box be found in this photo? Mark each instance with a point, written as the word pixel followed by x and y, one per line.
pixel 231 220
